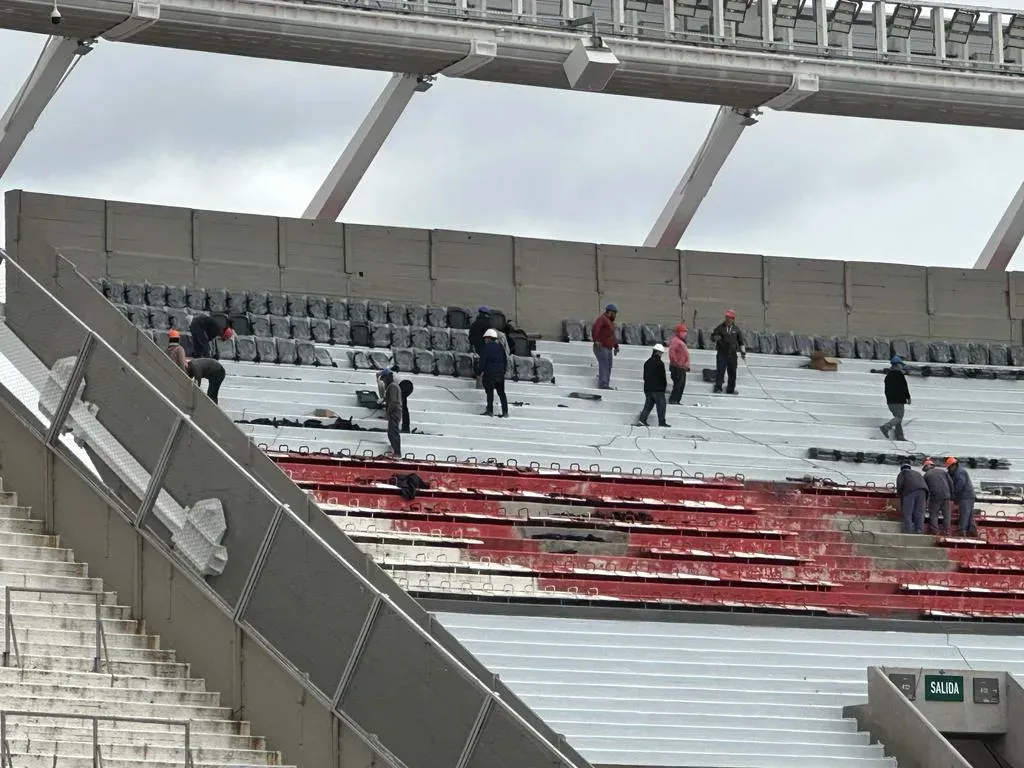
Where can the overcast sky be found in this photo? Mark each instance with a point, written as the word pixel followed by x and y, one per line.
pixel 180 128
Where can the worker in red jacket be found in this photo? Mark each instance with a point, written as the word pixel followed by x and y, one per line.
pixel 678 363
pixel 605 345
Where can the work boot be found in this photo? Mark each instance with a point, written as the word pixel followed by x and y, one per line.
pixel 885 432
pixel 663 424
pixel 487 412
pixel 716 391
pixel 503 415
pixel 732 391
pixel 641 424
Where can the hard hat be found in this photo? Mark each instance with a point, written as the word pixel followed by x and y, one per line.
pixel 681 328
pixel 929 462
pixel 490 333
pixel 951 460
pixel 228 333
pixel 659 348
pixel 896 360
pixel 484 310
pixel 173 334
pixel 611 308
pixel 730 313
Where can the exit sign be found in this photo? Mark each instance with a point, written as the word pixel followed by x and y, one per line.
pixel 943 688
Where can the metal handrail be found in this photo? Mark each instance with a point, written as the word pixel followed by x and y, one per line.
pixel 101 654
pixel 95 720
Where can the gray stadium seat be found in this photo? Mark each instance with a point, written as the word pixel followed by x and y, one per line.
pixel 245 347
pixel 359 332
pixel 804 345
pixel 883 349
pixel 300 328
pixel 177 297
pixel 437 317
pixel 416 314
pixel 323 358
pixel 460 340
pixel 919 351
pixel 156 294
pixel 632 333
pixel 398 313
pixel 960 353
pixel 767 342
pixel 824 344
pixel 280 326
pixel 139 315
pixel 286 353
pixel 195 298
pixel 901 347
pixel 318 307
pixel 380 335
pixel 845 349
pixel 572 330
pixel 225 349
pixel 998 354
pixel 259 302
pixel 379 359
pixel 525 368
pixel 261 325
pixel 651 333
pixel 277 304
pixel 455 317
pixel 159 318
pixel 320 328
pixel 979 353
pixel 401 336
pixel 266 349
pixel 160 338
pixel 240 323
pixel 864 348
pixel 337 309
pixel 440 339
pixel 444 363
pixel 377 311
pixel 785 344
pixel 358 311
pixel 123 309
pixel 115 291
pixel 404 359
pixel 217 299
pixel 305 352
pixel 939 352
pixel 545 370
pixel 424 361
pixel 135 294
pixel 298 305
pixel 340 332
pixel 510 368
pixel 465 365
pixel 499 321
pixel 419 337
pixel 237 302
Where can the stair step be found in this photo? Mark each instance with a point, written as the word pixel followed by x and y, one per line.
pixel 61 691
pixel 45 659
pixel 15 700
pixel 65 750
pixel 213 732
pixel 22 760
pixel 28 676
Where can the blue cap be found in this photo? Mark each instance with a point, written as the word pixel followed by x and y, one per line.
pixel 384 372
pixel 896 360
pixel 484 310
pixel 611 308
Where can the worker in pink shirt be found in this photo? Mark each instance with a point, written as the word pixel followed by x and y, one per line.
pixel 678 363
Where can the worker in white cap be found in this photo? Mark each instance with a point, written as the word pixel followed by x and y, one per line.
pixel 493 365
pixel 655 384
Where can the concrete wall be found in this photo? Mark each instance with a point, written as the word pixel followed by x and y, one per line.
pixel 538 282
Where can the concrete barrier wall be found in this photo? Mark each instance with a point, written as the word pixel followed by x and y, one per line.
pixel 537 282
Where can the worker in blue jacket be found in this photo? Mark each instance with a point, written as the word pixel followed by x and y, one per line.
pixel 491 367
pixel 963 495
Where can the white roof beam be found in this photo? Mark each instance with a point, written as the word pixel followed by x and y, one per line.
pixel 145 13
pixel 1005 237
pixel 53 65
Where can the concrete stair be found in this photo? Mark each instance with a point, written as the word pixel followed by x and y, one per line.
pixel 52 672
pixel 882 541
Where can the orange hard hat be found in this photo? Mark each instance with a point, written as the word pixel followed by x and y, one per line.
pixel 173 334
pixel 951 460
pixel 228 333
pixel 681 328
pixel 928 462
pixel 730 313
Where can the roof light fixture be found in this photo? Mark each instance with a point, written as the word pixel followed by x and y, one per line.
pixel 843 14
pixel 1013 36
pixel 903 19
pixel 736 10
pixel 787 12
pixel 959 28
pixel 635 5
pixel 686 8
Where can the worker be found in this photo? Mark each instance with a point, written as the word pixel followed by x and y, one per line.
pixel 208 328
pixel 406 388
pixel 678 364
pixel 655 385
pixel 196 369
pixel 477 328
pixel 963 495
pixel 605 345
pixel 897 397
pixel 393 411
pixel 728 341
pixel 493 366
pixel 913 494
pixel 940 491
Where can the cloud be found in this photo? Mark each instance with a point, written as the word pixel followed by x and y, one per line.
pixel 207 131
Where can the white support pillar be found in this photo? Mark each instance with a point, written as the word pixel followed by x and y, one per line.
pixel 722 137
pixel 53 64
pixel 1005 238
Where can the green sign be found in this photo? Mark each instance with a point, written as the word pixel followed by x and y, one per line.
pixel 943 688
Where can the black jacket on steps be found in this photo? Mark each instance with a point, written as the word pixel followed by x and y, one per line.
pixel 654 375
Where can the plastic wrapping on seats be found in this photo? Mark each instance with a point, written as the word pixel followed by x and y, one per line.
pixel 510 369
pixel 135 294
pixel 544 369
pixel 245 348
pixel 238 302
pixel 425 361
pixel 159 338
pixel 437 317
pixel 115 291
pixel 259 302
pixel 358 311
pixel 572 330
pixel 939 352
pixel 588 331
pixel 901 347
pixel 159 318
pixel 318 307
pixel 460 340
pixel 766 342
pixel 465 364
pixel 261 325
pixel 919 351
pixel 401 336
pixel 379 359
pixel 419 337
pixel 845 349
pixel 277 304
pixel 979 352
pixel 360 359
pixel 785 344
pixel 305 352
pixel 323 357
pixel 177 297
pixel 864 348
pixel 240 323
pixel 525 368
pixel 320 329
pixel 883 349
pixel 618 333
pixel 337 309
pixel 139 315
pixel 651 333
pixel 380 335
pixel 415 314
pixel 217 299
pixel 300 329
pixel 632 333
pixel 187 345
pixel 998 354
pixel 359 333
pixel 225 349
pixel 286 352
pixel 123 309
pixel 195 299
pixel 804 345
pixel 441 339
pixel 156 294
pixel 1015 354
pixel 704 339
pixel 960 353
pixel 398 313
pixel 298 305
pixel 826 344
pixel 455 317
pixel 377 311
pixel 667 332
pixel 280 327
pixel 405 359
pixel 340 332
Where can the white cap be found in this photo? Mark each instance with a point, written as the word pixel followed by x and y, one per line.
pixel 490 333
pixel 659 348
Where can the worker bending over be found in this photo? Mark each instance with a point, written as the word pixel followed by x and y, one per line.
pixel 206 329
pixel 196 369
pixel 913 493
pixel 963 495
pixel 940 491
pixel 728 341
pixel 406 388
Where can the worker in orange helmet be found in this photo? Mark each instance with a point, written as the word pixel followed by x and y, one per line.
pixel 963 495
pixel 197 369
pixel 728 340
pixel 678 363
